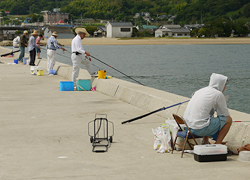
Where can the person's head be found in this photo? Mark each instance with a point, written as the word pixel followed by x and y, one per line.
pixel 25 32
pixel 41 36
pixel 55 34
pixel 218 81
pixel 35 33
pixel 82 32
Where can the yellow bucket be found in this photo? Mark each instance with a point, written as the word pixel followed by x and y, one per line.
pixel 39 73
pixel 102 74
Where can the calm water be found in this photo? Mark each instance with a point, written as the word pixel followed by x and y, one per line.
pixel 179 69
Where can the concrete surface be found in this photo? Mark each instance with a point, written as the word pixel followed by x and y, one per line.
pixel 44 131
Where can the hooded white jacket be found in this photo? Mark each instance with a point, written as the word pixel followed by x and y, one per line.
pixel 205 101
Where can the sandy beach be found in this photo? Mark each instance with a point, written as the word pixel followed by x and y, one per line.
pixel 154 41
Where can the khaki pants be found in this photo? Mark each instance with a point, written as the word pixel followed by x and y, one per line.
pixel 77 60
pixel 51 56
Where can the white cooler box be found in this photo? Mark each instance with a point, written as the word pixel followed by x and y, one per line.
pixel 210 152
pixel 173 127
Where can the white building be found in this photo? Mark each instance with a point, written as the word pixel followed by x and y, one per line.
pixel 172 31
pixel 119 29
pixel 63 32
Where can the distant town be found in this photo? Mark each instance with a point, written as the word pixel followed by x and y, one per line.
pixel 143 26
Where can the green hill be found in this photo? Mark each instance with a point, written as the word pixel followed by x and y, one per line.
pixel 187 11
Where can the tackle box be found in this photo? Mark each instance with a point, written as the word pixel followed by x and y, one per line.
pixel 210 152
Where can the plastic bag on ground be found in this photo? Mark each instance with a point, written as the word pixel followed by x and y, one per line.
pixel 157 141
pixel 162 140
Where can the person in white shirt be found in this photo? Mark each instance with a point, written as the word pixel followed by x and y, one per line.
pixel 199 113
pixel 16 42
pixel 79 55
pixel 51 47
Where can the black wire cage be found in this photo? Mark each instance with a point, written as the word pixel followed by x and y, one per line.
pixel 101 135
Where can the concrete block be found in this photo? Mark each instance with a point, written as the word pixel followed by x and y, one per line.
pixel 236 132
pixel 246 135
pixel 105 86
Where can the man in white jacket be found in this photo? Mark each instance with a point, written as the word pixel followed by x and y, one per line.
pixel 199 113
pixel 79 55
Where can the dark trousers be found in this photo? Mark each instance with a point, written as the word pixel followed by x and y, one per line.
pixel 32 57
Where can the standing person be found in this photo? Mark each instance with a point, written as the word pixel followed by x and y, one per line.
pixel 51 51
pixel 23 44
pixel 38 43
pixel 32 47
pixel 199 113
pixel 79 55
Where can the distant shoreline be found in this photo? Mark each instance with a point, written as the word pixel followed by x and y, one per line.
pixel 148 41
pixel 156 41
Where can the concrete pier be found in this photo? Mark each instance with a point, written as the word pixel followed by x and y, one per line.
pixel 44 131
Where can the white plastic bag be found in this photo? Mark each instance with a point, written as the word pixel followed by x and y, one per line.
pixel 162 139
pixel 165 140
pixel 157 141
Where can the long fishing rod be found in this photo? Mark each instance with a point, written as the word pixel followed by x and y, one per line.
pixel 117 70
pixel 12 52
pixel 69 57
pixel 158 110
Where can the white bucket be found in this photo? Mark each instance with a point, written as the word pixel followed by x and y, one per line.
pixel 25 60
pixel 33 69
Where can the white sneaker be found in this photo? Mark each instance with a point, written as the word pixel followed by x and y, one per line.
pixel 94 74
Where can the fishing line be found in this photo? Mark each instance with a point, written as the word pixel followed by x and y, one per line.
pixel 117 70
pixel 70 58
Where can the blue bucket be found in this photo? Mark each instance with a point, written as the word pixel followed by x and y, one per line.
pixel 66 86
pixel 83 85
pixel 52 71
pixel 16 61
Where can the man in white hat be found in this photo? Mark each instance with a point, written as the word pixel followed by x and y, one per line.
pixel 32 47
pixel 52 46
pixel 23 43
pixel 79 55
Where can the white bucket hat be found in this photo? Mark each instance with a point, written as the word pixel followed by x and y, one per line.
pixel 83 30
pixel 55 34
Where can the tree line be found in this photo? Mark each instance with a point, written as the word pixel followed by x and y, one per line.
pixel 187 11
pixel 221 17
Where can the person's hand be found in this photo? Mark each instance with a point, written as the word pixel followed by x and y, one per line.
pixel 63 49
pixel 87 53
pixel 89 58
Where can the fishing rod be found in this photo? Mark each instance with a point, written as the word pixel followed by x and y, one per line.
pixel 241 121
pixel 158 110
pixel 117 70
pixel 69 57
pixel 12 52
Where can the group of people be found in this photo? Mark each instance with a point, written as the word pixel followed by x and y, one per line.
pixel 200 110
pixel 79 55
pixel 33 45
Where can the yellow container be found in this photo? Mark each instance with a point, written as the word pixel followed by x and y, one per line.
pixel 39 73
pixel 102 74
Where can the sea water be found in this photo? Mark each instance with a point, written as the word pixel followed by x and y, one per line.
pixel 179 69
